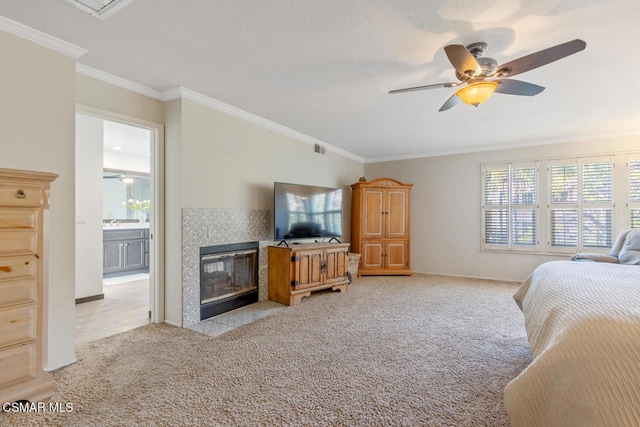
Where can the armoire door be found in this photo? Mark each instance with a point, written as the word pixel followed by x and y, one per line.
pixel 396 213
pixel 373 213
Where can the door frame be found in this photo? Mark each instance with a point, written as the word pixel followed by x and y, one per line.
pixel 156 213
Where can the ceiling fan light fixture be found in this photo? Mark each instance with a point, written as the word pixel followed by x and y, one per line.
pixel 477 93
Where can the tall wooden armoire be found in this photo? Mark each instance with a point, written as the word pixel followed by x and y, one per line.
pixel 380 226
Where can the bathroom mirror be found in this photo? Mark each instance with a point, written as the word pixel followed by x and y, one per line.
pixel 120 186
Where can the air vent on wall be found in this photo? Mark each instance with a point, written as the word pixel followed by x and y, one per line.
pixel 317 148
pixel 99 8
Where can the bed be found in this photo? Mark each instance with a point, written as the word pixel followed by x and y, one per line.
pixel 583 324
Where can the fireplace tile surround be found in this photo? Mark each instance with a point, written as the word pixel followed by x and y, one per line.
pixel 209 227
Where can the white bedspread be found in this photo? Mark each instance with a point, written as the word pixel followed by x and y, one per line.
pixel 583 324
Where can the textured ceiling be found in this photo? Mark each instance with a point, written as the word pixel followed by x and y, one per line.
pixel 323 68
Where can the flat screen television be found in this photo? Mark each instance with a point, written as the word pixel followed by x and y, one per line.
pixel 306 211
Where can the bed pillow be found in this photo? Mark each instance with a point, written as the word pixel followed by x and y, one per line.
pixel 615 250
pixel 588 256
pixel 630 252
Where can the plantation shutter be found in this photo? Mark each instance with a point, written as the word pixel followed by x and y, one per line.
pixel 496 206
pixel 510 220
pixel 523 206
pixel 634 191
pixel 580 204
pixel 597 203
pixel 563 204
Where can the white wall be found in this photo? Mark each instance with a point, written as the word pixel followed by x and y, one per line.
pixel 104 96
pixel 215 160
pixel 127 162
pixel 446 200
pixel 173 213
pixel 37 132
pixel 231 163
pixel 89 131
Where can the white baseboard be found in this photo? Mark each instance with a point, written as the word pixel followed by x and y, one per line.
pixel 169 322
pixel 463 276
pixel 62 365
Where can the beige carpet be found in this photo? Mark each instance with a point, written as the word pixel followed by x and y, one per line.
pixel 395 351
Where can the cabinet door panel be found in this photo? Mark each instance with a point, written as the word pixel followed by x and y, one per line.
pixel 134 254
pixel 112 257
pixel 336 265
pixel 397 255
pixel 17 241
pixel 373 208
pixel 18 267
pixel 372 256
pixel 397 215
pixel 17 291
pixel 307 268
pixel 17 363
pixel 17 324
pixel 17 218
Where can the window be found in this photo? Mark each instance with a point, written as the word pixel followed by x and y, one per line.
pixel 580 204
pixel 634 191
pixel 585 210
pixel 510 211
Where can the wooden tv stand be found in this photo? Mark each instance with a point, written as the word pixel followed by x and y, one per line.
pixel 296 271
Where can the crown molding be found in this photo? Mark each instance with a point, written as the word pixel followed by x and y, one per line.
pixel 171 94
pixel 43 39
pixel 118 81
pixel 181 92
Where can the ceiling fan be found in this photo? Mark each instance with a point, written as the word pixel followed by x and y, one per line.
pixel 124 178
pixel 482 76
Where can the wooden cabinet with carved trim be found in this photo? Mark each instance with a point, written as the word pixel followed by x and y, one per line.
pixel 296 271
pixel 23 202
pixel 380 226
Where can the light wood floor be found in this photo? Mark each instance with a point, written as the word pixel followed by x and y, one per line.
pixel 125 306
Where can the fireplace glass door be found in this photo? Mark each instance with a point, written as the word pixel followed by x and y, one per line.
pixel 227 274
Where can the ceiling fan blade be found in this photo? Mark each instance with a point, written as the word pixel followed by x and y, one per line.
pixel 434 86
pixel 517 87
pixel 462 60
pixel 542 57
pixel 451 102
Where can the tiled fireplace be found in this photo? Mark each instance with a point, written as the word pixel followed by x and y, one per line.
pixel 205 228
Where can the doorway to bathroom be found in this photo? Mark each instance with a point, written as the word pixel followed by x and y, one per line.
pixel 118 196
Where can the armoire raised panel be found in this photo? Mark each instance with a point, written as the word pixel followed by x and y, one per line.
pixel 24 197
pixel 380 226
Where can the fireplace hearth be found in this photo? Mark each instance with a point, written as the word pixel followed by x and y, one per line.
pixel 228 277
